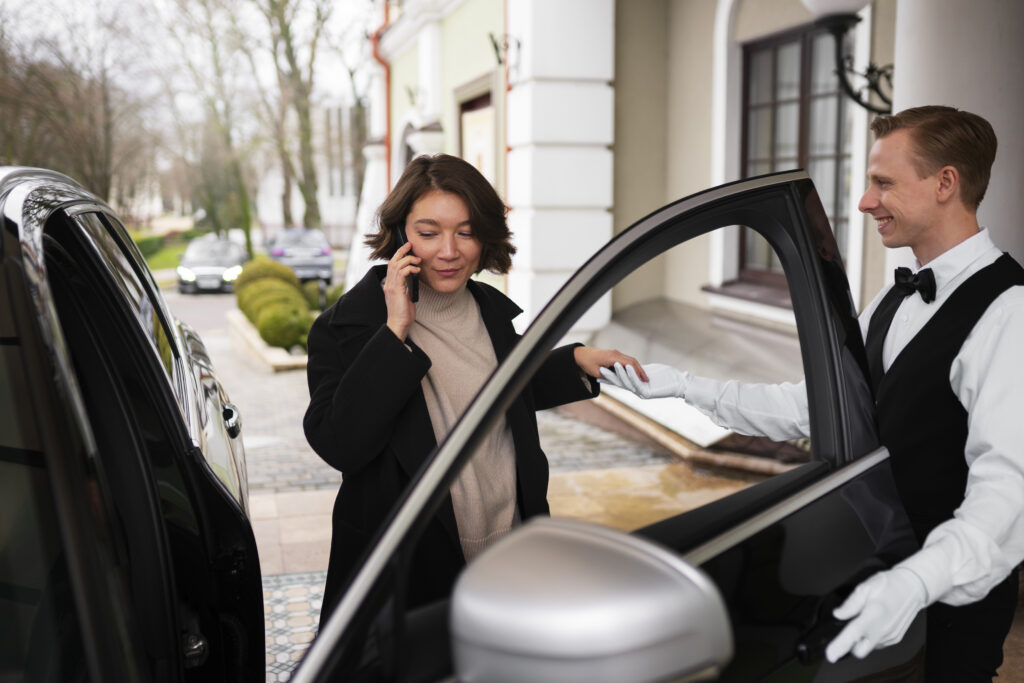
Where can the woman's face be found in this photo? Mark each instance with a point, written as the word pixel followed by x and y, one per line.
pixel 438 229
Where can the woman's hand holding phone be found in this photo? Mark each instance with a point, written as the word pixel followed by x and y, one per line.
pixel 401 307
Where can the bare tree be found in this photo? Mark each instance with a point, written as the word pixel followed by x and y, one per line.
pixel 350 42
pixel 274 108
pixel 213 64
pixel 296 28
pixel 72 105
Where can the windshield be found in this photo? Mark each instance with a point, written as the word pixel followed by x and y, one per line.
pixel 212 251
pixel 300 238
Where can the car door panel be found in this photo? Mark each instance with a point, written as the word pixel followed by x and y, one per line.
pixel 69 616
pixel 211 547
pixel 782 581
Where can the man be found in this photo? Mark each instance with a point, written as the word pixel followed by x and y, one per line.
pixel 949 388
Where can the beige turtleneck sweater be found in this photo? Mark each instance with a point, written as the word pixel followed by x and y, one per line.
pixel 450 330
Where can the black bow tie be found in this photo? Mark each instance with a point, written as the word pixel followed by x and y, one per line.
pixel 922 281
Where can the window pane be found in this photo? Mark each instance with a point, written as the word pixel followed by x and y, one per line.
pixel 787 130
pixel 604 474
pixel 823 128
pixel 758 168
pixel 823 65
pixel 844 188
pixel 787 72
pixel 822 172
pixel 786 164
pixel 136 294
pixel 760 87
pixel 758 254
pixel 759 144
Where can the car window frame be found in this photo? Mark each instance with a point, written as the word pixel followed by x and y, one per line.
pixel 68 448
pixel 785 209
pixel 196 498
pixel 180 378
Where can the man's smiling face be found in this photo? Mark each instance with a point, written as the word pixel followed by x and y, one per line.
pixel 902 203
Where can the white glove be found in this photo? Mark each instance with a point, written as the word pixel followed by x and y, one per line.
pixel 884 606
pixel 665 380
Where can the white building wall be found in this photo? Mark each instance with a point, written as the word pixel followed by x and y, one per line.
pixel 968 55
pixel 560 129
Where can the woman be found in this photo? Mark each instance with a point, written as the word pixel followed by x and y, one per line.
pixel 389 374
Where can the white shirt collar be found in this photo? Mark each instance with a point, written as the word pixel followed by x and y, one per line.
pixel 954 261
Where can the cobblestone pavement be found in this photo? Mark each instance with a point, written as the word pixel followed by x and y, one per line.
pixel 280 460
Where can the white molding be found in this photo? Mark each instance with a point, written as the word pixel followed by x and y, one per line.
pixel 404 32
pixel 726 89
pixel 854 260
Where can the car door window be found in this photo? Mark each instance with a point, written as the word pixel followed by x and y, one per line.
pixel 133 286
pixel 628 462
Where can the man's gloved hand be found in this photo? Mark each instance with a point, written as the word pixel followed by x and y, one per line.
pixel 884 606
pixel 664 381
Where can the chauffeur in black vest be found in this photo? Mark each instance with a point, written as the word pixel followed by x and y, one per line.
pixel 944 350
pixel 946 369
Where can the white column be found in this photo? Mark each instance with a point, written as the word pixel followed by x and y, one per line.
pixel 375 180
pixel 428 98
pixel 560 129
pixel 968 55
pixel 374 191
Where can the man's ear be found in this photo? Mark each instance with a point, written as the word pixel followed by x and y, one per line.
pixel 948 183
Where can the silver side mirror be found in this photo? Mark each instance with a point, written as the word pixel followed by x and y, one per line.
pixel 560 600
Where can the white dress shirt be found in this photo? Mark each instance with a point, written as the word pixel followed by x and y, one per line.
pixel 966 556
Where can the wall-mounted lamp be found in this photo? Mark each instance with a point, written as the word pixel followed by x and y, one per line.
pixel 506 49
pixel 838 17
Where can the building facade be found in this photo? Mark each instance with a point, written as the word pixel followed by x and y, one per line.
pixel 589 114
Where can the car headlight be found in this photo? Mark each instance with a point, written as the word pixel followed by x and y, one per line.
pixel 231 273
pixel 186 274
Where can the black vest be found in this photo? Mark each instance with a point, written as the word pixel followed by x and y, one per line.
pixel 920 419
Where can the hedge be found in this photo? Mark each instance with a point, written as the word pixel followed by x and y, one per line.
pixel 269 295
pixel 263 267
pixel 280 324
pixel 149 244
pixel 311 291
pixel 258 294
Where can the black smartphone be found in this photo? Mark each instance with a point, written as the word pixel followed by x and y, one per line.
pixel 412 282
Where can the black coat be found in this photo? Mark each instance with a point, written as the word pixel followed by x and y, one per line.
pixel 367 417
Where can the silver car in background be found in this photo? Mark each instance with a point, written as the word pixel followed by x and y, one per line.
pixel 306 251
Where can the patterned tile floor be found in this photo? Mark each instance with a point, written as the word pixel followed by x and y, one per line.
pixel 292 608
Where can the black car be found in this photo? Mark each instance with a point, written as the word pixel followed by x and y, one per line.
pixel 306 251
pixel 739 589
pixel 126 552
pixel 210 264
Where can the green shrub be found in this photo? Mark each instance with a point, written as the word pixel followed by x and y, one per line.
pixel 149 244
pixel 283 325
pixel 311 290
pixel 263 267
pixel 257 295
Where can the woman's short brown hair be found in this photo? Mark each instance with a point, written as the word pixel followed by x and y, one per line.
pixel 488 215
pixel 944 136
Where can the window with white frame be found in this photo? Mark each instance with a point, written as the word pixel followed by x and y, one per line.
pixel 794 116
